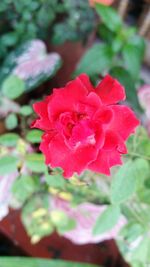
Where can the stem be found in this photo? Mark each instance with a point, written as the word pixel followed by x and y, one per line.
pixel 138 155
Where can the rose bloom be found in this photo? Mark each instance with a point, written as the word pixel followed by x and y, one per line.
pixel 104 2
pixel 84 126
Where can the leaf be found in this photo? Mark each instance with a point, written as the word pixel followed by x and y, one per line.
pixel 27 186
pixel 96 60
pixel 34 136
pixel 26 110
pixel 13 87
pixel 11 121
pixel 9 139
pixel 33 262
pixel 8 164
pixel 31 64
pixel 62 222
pixel 56 180
pixel 141 253
pixel 35 162
pixel 133 54
pixel 125 78
pixel 109 17
pixel 107 220
pixel 126 180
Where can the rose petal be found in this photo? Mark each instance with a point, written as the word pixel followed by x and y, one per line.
pixel 101 164
pixel 59 155
pixel 124 121
pixel 41 108
pixel 110 90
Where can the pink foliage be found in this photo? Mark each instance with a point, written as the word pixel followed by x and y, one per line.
pixel 144 99
pixel 84 127
pixel 6 182
pixel 34 61
pixel 85 216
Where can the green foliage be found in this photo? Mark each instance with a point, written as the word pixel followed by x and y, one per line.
pixel 125 78
pixel 26 110
pixel 8 164
pixel 25 20
pixel 120 52
pixel 9 139
pixel 34 136
pixel 35 162
pixel 28 186
pixel 96 60
pixel 11 121
pixel 24 262
pixel 13 86
pixel 109 17
pixel 71 28
pixel 107 220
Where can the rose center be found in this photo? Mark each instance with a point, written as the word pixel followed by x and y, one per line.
pixel 76 129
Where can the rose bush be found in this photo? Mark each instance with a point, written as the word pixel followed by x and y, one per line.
pixel 84 127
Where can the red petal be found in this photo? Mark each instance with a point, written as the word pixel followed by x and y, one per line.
pixel 101 164
pixel 124 121
pixel 41 109
pixel 104 161
pixel 110 91
pixel 59 155
pixel 84 79
pixel 67 99
pixel 104 115
pixel 114 142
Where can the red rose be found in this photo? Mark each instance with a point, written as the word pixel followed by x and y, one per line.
pixel 84 127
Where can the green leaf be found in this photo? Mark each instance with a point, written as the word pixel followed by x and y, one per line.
pixel 110 17
pixel 126 80
pixel 133 54
pixel 107 220
pixel 62 222
pixel 26 110
pixel 27 186
pixel 11 121
pixel 34 136
pixel 96 60
pixel 35 162
pixel 8 164
pixel 33 262
pixel 56 180
pixel 13 87
pixel 127 180
pixel 9 139
pixel 141 253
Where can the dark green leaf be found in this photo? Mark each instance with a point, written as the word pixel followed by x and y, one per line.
pixel 109 17
pixel 126 80
pixel 30 262
pixel 96 60
pixel 133 53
